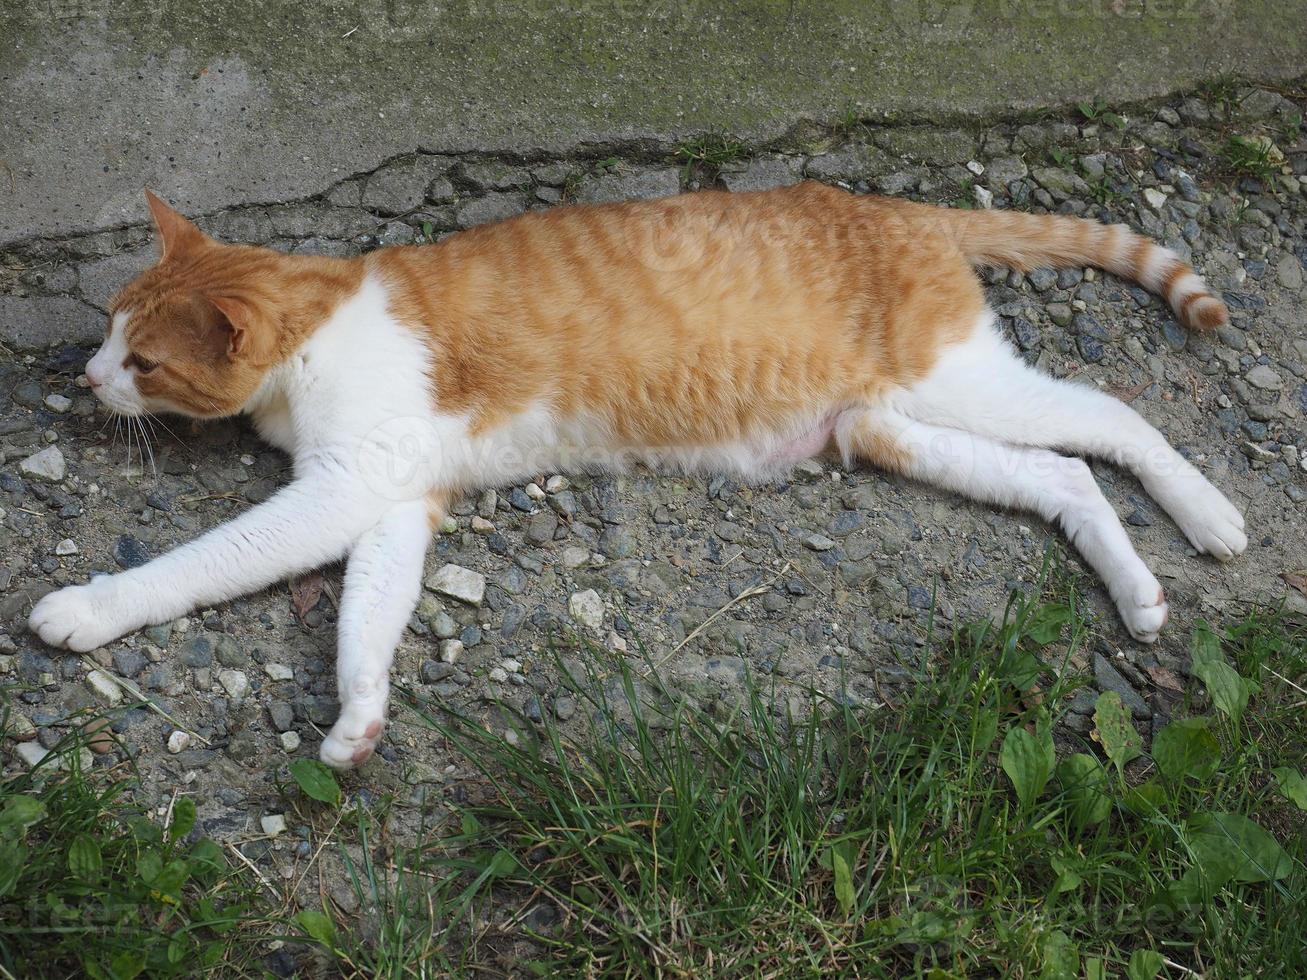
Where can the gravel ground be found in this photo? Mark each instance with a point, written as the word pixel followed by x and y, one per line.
pixel 831 575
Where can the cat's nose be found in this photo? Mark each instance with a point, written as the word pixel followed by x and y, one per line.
pixel 93 374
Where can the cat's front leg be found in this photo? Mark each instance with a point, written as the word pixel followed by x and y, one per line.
pixel 308 523
pixel 382 583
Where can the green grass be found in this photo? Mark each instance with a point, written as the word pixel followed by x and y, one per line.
pixel 703 158
pixel 1248 156
pixel 932 834
pixel 91 885
pixel 950 827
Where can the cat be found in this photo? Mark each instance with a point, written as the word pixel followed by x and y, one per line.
pixel 734 333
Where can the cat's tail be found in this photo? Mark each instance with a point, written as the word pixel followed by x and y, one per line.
pixel 1028 241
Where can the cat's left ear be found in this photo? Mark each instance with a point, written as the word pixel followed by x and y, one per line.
pixel 177 233
pixel 229 323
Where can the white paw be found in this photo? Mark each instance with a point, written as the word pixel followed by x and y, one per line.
pixel 1212 524
pixel 82 617
pixel 1144 610
pixel 353 738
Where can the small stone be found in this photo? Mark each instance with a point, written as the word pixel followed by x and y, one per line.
pixel 482 526
pixel 129 662
pixel 179 741
pixel 983 195
pixel 534 491
pixel 278 672
pixel 1155 198
pixel 104 687
pixel 1108 678
pixel 234 682
pixel 290 741
pixel 451 650
pixel 273 824
pixel 130 553
pixel 58 403
pixel 1289 272
pixel 443 625
pixel 575 557
pixel 556 484
pixel 818 542
pixel 282 715
pixel 31 753
pixel 47 465
pixel 433 672
pixel 459 583
pixel 1264 378
pixel 587 608
pixel 498 675
pixel 66 547
pixel 564 708
pixel 541 527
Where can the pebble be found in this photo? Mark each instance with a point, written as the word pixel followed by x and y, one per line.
pixel 451 651
pixel 179 741
pixel 273 824
pixel 47 465
pixel 818 542
pixel 58 403
pixel 66 547
pixel 290 741
pixel 104 687
pixel 587 609
pixel 235 683
pixel 129 552
pixel 556 484
pixel 278 672
pixel 459 583
pixel 1264 378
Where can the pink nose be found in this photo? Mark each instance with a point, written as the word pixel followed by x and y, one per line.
pixel 93 375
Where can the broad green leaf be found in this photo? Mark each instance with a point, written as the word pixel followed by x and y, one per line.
pixel 19 813
pixel 13 858
pixel 1046 622
pixel 84 858
pixel 207 857
pixel 1025 760
pixel 1292 785
pixel 127 964
pixel 1185 747
pixel 1115 731
pixel 148 866
pixel 1204 646
pixel 1068 879
pixel 168 882
pixel 1145 799
pixel 1095 968
pixel 843 880
pixel 183 818
pixel 1145 964
pixel 1084 787
pixel 503 863
pixel 1228 690
pixel 1231 847
pixel 318 925
pixel 316 780
pixel 1061 958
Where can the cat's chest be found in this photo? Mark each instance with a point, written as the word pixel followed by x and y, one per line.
pixel 275 425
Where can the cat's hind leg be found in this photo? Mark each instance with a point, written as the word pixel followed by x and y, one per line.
pixel 382 582
pixel 980 385
pixel 1058 488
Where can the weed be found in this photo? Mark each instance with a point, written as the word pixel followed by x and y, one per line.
pixel 703 158
pixel 93 886
pixel 944 829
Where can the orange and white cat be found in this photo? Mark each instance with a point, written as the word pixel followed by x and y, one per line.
pixel 711 331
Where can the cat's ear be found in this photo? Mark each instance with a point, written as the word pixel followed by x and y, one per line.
pixel 177 233
pixel 228 323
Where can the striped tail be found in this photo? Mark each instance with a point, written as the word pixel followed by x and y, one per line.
pixel 1028 241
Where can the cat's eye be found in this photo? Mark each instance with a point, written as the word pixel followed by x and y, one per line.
pixel 143 365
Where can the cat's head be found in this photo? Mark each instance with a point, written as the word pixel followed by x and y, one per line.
pixel 194 334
